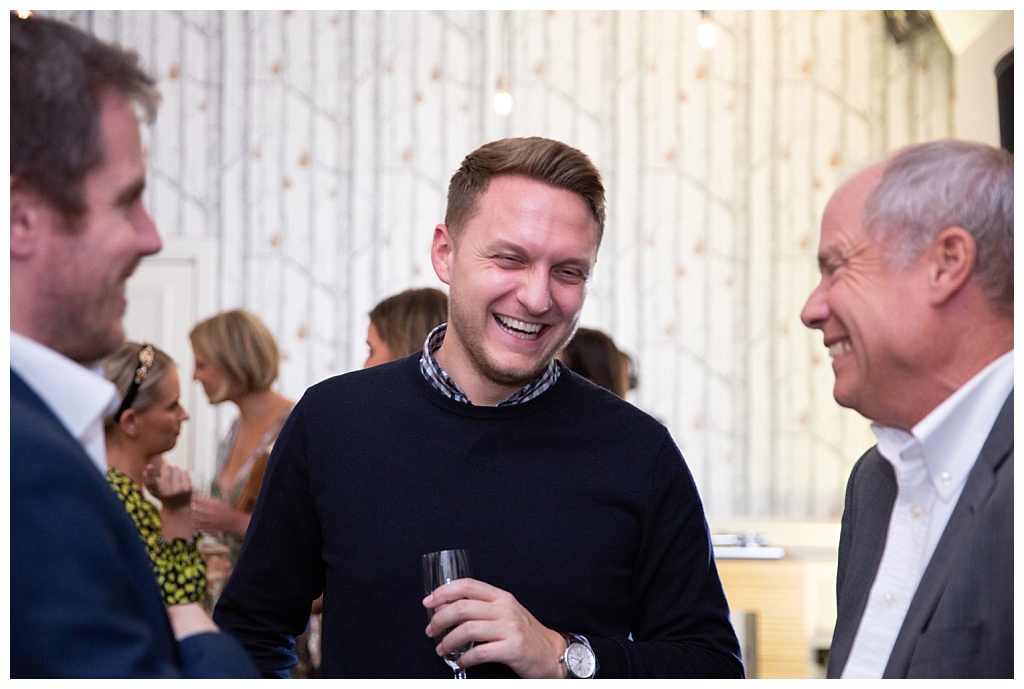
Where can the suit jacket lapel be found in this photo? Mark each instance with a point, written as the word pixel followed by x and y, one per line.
pixel 981 481
pixel 872 494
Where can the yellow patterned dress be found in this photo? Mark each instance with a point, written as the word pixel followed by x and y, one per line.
pixel 180 569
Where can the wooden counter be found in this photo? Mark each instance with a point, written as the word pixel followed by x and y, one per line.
pixel 786 597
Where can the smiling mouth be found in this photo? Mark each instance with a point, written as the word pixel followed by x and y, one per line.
pixel 524 331
pixel 838 348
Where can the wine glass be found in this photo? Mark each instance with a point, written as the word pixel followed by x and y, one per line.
pixel 439 568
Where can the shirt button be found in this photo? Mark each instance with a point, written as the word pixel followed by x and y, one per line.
pixel 945 477
pixel 890 599
pixel 916 511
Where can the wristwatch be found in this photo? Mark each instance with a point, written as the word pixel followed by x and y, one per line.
pixel 579 658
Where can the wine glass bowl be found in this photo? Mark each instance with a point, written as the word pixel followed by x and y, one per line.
pixel 440 568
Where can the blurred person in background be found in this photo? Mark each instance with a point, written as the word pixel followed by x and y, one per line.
pixel 144 426
pixel 236 360
pixel 593 354
pixel 399 325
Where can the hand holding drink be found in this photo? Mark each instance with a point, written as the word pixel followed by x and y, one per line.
pixel 440 568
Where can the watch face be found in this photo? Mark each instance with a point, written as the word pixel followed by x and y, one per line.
pixel 580 660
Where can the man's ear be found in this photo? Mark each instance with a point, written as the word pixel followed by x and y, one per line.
pixel 951 261
pixel 27 209
pixel 441 253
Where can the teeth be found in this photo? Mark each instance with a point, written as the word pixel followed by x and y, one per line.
pixel 527 331
pixel 839 348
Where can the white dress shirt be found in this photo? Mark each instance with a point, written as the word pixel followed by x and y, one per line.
pixel 931 466
pixel 80 397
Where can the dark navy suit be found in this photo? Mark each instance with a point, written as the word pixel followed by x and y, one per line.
pixel 84 599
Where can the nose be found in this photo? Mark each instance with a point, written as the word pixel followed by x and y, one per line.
pixel 815 311
pixel 149 238
pixel 535 291
pixel 185 416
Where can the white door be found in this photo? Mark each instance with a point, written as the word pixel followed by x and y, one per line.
pixel 167 295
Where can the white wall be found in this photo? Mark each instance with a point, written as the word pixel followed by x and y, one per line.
pixel 314 150
pixel 976 102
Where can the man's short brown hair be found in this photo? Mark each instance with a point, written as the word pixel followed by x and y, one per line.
pixel 544 160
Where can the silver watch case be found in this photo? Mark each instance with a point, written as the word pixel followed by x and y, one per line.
pixel 579 657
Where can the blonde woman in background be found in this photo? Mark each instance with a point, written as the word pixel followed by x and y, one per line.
pixel 145 426
pixel 236 360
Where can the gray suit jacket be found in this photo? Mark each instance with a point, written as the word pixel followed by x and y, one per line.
pixel 960 623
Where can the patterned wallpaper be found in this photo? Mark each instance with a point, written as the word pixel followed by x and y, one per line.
pixel 315 147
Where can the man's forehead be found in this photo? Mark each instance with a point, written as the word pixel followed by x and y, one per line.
pixel 858 187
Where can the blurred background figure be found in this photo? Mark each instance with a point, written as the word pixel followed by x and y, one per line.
pixel 594 355
pixel 236 360
pixel 399 325
pixel 146 425
pixel 629 371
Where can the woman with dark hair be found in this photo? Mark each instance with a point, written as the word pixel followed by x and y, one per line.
pixel 593 354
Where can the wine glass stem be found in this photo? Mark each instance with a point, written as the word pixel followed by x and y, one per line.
pixel 460 673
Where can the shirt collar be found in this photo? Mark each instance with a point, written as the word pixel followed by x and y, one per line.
pixel 952 435
pixel 79 396
pixel 440 379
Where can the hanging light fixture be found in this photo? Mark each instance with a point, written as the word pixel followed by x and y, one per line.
pixel 502 98
pixel 707 32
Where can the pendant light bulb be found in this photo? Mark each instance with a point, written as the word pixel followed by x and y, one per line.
pixel 502 98
pixel 707 32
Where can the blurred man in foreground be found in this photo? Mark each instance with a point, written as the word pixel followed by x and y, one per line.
pixel 84 601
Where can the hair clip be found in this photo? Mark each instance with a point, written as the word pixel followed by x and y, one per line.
pixel 146 356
